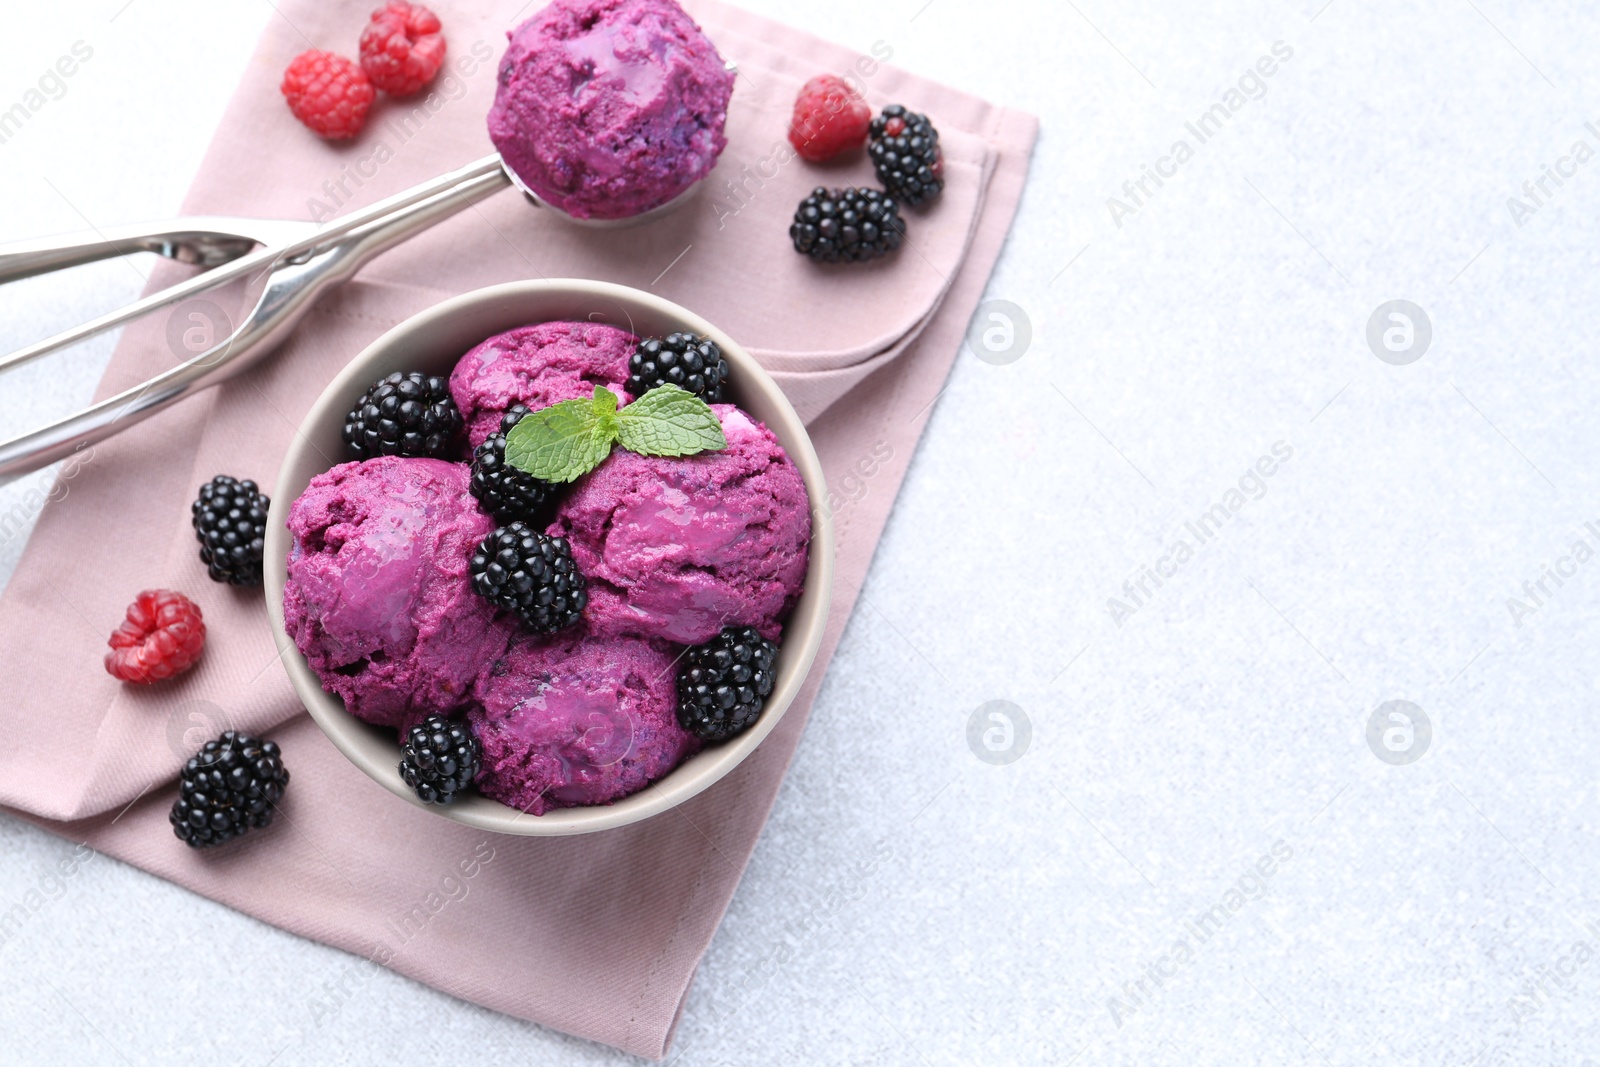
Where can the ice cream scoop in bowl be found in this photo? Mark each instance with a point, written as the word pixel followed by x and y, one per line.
pixel 432 342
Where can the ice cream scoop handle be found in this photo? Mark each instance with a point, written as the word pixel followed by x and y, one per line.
pixel 205 241
pixel 303 271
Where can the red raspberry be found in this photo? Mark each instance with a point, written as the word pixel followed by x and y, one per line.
pixel 161 637
pixel 401 48
pixel 329 93
pixel 829 117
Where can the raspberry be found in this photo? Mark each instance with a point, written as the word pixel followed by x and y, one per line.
pixel 329 93
pixel 401 48
pixel 161 637
pixel 830 117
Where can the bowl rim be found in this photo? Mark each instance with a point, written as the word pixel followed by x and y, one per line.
pixel 806 624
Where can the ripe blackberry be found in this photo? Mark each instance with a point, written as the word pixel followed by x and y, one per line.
pixel 440 759
pixel 228 788
pixel 403 415
pixel 847 225
pixel 905 152
pixel 724 683
pixel 686 360
pixel 531 574
pixel 502 490
pixel 230 521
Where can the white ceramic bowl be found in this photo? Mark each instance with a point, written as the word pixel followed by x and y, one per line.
pixel 432 342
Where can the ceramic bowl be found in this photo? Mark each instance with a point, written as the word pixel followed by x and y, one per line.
pixel 432 342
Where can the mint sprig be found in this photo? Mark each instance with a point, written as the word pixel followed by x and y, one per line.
pixel 565 441
pixel 572 436
pixel 669 421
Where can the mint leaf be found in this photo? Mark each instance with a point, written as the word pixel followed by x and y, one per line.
pixel 669 421
pixel 565 441
pixel 605 410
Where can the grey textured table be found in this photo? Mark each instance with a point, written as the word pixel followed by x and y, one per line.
pixel 1217 845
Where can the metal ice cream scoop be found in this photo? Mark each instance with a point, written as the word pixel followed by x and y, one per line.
pixel 299 261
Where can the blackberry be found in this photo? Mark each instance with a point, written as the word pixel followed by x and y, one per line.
pixel 847 225
pixel 230 522
pixel 724 683
pixel 686 360
pixel 532 574
pixel 905 152
pixel 227 789
pixel 504 491
pixel 403 415
pixel 440 759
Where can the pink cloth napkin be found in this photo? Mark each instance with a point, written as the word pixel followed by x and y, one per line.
pixel 600 935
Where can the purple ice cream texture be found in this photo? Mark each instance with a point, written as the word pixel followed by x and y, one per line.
pixel 679 548
pixel 578 720
pixel 378 597
pixel 609 108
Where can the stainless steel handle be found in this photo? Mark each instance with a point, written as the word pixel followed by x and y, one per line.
pixel 205 241
pixel 258 262
pixel 298 274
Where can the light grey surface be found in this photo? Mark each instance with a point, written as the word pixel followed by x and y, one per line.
pixel 911 903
